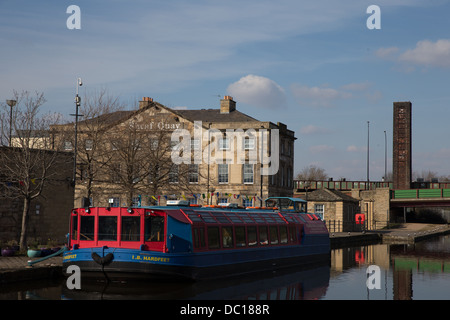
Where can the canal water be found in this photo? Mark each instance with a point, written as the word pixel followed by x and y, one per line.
pixel 418 271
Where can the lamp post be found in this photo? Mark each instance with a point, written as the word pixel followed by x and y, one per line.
pixel 77 105
pixel 385 156
pixel 368 131
pixel 11 104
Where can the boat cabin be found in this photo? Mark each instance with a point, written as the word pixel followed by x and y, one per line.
pixel 189 229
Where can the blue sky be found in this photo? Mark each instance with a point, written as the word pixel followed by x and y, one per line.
pixel 313 65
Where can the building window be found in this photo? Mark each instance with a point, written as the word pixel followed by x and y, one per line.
pixel 114 202
pixel 223 200
pixel 223 173
pixel 247 202
pixel 88 144
pixel 249 143
pixel 154 144
pixel 193 173
pixel 319 209
pixel 67 145
pixel 247 170
pixel 136 201
pixel 224 144
pixel 195 144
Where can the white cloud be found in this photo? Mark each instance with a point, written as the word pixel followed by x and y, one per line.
pixel 425 53
pixel 429 53
pixel 318 97
pixel 386 53
pixel 258 91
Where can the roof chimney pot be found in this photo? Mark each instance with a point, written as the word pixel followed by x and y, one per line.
pixel 227 104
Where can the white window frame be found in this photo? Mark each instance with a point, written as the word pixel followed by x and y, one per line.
pixel 224 143
pixel 246 175
pixel 249 143
pixel 193 173
pixel 319 208
pixel 221 175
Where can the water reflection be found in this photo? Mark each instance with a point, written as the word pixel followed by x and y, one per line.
pixel 297 284
pixel 409 271
pixel 418 271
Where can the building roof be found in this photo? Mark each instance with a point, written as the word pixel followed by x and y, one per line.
pixel 214 115
pixel 329 195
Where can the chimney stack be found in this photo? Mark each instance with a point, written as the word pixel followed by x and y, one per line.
pixel 227 105
pixel 146 101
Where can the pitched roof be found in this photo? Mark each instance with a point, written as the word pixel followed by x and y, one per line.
pixel 329 195
pixel 214 115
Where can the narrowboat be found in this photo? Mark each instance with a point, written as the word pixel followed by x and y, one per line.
pixel 192 242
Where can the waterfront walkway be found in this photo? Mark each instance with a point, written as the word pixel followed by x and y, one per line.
pixel 405 233
pixel 16 268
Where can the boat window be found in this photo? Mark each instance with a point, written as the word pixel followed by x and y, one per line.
pixel 273 235
pixel 240 236
pixel 74 227
pixel 263 236
pixel 154 228
pixel 199 238
pixel 107 228
pixel 227 237
pixel 213 238
pixel 283 235
pixel 292 234
pixel 131 227
pixel 251 234
pixel 87 226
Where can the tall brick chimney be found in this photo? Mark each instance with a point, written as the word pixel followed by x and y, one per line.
pixel 401 166
pixel 146 101
pixel 227 105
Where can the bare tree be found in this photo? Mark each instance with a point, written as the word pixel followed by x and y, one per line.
pixel 142 163
pixel 312 173
pixel 98 111
pixel 29 164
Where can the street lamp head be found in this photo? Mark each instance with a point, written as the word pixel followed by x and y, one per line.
pixel 11 103
pixel 80 83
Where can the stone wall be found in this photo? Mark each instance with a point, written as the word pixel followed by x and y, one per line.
pixel 375 205
pixel 48 215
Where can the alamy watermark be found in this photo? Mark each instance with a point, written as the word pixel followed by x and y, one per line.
pixel 74 280
pixel 74 20
pixel 235 146
pixel 373 277
pixel 374 21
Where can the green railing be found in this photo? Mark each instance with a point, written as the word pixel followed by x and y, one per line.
pixel 341 185
pixel 420 193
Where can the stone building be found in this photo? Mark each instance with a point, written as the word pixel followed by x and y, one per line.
pixel 48 214
pixel 375 204
pixel 207 156
pixel 336 208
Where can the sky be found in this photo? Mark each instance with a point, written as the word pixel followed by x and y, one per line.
pixel 315 66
